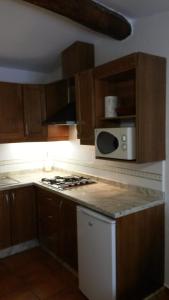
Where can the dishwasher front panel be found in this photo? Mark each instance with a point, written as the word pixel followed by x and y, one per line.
pixel 96 255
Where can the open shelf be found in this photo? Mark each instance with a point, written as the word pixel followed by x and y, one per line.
pixel 119 118
pixel 138 82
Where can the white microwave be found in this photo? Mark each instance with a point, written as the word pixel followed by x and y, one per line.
pixel 118 143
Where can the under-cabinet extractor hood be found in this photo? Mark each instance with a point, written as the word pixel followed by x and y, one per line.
pixel 65 116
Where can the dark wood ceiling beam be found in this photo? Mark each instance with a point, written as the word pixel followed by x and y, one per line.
pixel 89 14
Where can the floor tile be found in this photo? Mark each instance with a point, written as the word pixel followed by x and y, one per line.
pixel 46 289
pixel 20 295
pixel 10 283
pixel 49 284
pixel 68 295
pixel 35 275
pixel 4 270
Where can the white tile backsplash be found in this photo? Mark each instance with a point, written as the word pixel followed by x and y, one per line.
pixel 72 156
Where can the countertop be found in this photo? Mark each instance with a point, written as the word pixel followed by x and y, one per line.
pixel 107 197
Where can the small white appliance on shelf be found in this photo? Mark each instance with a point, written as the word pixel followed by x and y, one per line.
pixel 110 106
pixel 117 143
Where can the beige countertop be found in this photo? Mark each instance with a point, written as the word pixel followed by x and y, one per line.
pixel 111 199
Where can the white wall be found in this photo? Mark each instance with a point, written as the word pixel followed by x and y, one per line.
pixel 22 76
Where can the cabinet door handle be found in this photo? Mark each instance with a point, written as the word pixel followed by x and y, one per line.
pixel 50 217
pixel 60 204
pixel 13 196
pixel 26 129
pixel 7 198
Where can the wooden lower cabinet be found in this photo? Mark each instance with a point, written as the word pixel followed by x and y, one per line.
pixel 5 232
pixel 68 224
pixel 17 216
pixel 23 215
pixel 140 253
pixel 48 221
pixel 139 237
pixel 57 226
pixel 139 243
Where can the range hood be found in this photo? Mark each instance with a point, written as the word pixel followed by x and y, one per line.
pixel 65 116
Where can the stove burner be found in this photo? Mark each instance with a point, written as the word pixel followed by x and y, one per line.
pixel 66 182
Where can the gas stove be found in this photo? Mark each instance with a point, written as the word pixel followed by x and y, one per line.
pixel 66 182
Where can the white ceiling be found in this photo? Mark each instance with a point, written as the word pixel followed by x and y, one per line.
pixel 32 38
pixel 136 8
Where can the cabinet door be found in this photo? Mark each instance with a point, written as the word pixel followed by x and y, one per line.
pixel 49 221
pixel 58 226
pixel 140 253
pixel 11 113
pixel 23 215
pixel 85 107
pixel 68 229
pixel 5 233
pixel 34 111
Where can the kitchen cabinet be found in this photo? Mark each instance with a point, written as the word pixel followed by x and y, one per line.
pixel 138 80
pixel 34 112
pixel 11 113
pixel 139 237
pixel 77 57
pixel 57 226
pixel 48 221
pixel 68 224
pixel 140 253
pixel 24 109
pixel 17 216
pixel 85 107
pixel 23 214
pixel 5 232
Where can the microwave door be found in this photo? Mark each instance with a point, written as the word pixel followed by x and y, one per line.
pixel 107 143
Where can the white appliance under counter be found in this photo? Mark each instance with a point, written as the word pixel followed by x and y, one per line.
pixel 96 255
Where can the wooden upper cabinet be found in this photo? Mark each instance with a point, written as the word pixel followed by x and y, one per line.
pixel 11 113
pixel 139 82
pixel 34 111
pixel 85 107
pixel 77 57
pixel 5 232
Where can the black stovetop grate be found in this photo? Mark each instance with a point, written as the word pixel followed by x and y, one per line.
pixel 67 182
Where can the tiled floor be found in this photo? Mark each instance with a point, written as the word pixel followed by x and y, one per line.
pixel 34 275
pixel 163 295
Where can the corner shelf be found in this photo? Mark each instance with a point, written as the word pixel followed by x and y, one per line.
pixel 139 82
